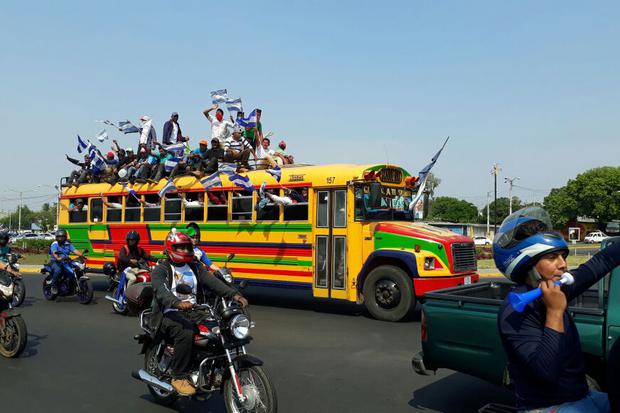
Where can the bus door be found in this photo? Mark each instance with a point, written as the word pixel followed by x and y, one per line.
pixel 330 243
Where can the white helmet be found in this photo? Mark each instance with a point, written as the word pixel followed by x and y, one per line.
pixel 122 173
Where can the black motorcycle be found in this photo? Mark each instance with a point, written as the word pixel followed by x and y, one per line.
pixel 220 362
pixel 19 288
pixel 73 281
pixel 13 332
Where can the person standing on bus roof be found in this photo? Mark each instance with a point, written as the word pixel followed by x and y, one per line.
pixel 172 131
pixel 148 136
pixel 220 128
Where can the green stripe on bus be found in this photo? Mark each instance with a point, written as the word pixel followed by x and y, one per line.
pixel 389 240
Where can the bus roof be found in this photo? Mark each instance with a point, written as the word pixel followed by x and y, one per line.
pixel 293 175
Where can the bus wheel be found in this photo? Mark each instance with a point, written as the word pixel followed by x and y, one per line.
pixel 388 293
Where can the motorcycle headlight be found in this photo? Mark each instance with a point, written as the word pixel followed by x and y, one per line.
pixel 240 326
pixel 228 277
pixel 6 290
pixel 80 265
pixel 16 266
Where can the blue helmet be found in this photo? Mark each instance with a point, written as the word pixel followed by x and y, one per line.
pixel 522 239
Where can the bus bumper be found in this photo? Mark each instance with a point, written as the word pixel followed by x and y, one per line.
pixel 424 285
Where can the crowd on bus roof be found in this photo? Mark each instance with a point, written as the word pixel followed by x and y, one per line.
pixel 231 145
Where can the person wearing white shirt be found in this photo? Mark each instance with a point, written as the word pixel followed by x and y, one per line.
pixel 148 136
pixel 220 128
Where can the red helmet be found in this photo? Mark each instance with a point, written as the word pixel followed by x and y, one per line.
pixel 173 241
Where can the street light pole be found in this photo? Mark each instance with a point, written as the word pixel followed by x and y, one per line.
pixel 510 183
pixel 495 172
pixel 21 199
pixel 488 213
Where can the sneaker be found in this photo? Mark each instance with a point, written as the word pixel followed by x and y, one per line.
pixel 261 191
pixel 183 387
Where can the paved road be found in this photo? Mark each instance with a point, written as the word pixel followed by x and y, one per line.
pixel 334 360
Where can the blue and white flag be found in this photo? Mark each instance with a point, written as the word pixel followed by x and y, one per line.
pixel 211 181
pixel 170 164
pixel 249 121
pixel 167 188
pixel 176 149
pixel 276 172
pixel 234 105
pixel 83 146
pixel 423 176
pixel 127 127
pixel 227 168
pixel 219 96
pixel 102 136
pixel 131 192
pixel 242 182
pixel 98 161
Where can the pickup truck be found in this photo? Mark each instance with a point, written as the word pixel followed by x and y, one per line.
pixel 459 328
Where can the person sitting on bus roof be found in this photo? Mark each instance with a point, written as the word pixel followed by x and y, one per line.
pixel 144 164
pixel 81 175
pixel 265 155
pixel 281 153
pixel 133 259
pixel 159 170
pixel 237 149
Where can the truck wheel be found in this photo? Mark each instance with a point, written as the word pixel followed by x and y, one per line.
pixel 388 293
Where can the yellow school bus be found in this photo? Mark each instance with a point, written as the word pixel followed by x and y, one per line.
pixel 347 235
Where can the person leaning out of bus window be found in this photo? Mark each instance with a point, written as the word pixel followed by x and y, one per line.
pixel 198 203
pixel 110 205
pixel 542 343
pixel 78 206
pixel 291 197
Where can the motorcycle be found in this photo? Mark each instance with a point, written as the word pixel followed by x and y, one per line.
pixel 13 332
pixel 73 281
pixel 123 297
pixel 220 362
pixel 19 288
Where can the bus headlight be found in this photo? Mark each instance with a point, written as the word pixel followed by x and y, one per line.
pixel 240 326
pixel 429 263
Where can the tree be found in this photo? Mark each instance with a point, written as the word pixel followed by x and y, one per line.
pixel 592 194
pixel 450 209
pixel 503 208
pixel 45 218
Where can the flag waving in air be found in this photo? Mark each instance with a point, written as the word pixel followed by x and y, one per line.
pixel 423 176
pixel 102 136
pixel 83 146
pixel 127 127
pixel 219 96
pixel 241 181
pixel 234 105
pixel 249 121
pixel 131 192
pixel 211 181
pixel 276 172
pixel 169 187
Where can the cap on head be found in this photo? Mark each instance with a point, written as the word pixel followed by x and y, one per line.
pixel 282 144
pixel 174 114
pixel 145 118
pixel 203 142
pixel 238 129
pixel 129 150
pixel 110 155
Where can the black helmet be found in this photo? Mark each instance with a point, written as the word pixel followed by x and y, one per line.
pixel 109 269
pixel 61 235
pixel 4 237
pixel 132 235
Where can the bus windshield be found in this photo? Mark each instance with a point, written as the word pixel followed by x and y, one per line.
pixel 390 204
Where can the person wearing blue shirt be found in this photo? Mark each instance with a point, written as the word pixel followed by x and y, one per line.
pixel 60 250
pixel 545 359
pixel 199 253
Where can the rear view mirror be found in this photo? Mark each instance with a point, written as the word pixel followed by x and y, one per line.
pixel 86 251
pixel 374 200
pixel 230 256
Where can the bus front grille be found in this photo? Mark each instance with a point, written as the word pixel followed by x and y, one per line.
pixel 464 257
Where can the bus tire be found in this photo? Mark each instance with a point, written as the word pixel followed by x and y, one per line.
pixel 388 293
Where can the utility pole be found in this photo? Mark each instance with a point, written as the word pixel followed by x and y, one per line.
pixel 495 172
pixel 488 214
pixel 21 199
pixel 510 182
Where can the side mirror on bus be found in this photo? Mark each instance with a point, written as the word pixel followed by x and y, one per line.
pixel 374 201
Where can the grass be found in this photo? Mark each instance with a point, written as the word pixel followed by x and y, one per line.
pixel 573 261
pixel 34 259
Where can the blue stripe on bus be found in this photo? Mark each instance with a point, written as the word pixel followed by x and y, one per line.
pixel 279 284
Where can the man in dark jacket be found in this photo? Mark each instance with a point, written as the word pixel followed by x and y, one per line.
pixel 81 175
pixel 172 131
pixel 132 259
pixel 170 307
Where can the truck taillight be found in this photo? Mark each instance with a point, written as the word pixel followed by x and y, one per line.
pixel 423 331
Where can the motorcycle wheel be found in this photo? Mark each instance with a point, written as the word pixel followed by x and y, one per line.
pixel 13 337
pixel 151 366
pixel 47 290
pixel 85 292
pixel 258 389
pixel 118 308
pixel 19 292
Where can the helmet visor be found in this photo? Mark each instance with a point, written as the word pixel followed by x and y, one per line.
pixel 521 225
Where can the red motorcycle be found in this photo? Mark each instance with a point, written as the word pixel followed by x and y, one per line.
pixel 131 299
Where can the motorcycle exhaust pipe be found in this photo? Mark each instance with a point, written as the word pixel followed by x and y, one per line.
pixel 114 300
pixel 145 377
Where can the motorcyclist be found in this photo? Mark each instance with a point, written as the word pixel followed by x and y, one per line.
pixel 200 255
pixel 542 343
pixel 132 258
pixel 5 250
pixel 169 307
pixel 59 253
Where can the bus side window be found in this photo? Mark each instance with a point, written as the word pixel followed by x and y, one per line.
pixel 96 210
pixel 218 205
pixel 114 209
pixel 297 211
pixel 267 209
pixel 172 208
pixel 77 213
pixel 194 206
pixel 241 206
pixel 132 209
pixel 152 208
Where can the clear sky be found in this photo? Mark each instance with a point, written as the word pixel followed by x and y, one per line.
pixel 532 85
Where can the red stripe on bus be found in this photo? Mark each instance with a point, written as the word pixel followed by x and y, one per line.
pixel 272 272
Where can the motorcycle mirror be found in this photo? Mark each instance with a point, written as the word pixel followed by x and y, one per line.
pixel 243 284
pixel 230 256
pixel 183 289
pixel 86 251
